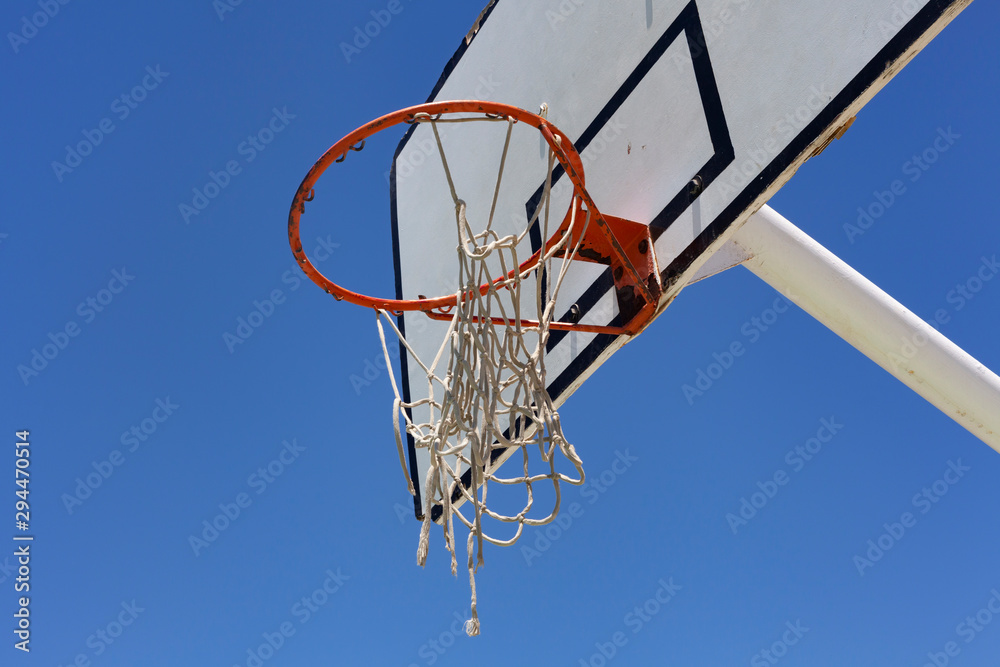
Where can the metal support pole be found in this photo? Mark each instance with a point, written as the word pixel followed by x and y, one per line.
pixel 880 327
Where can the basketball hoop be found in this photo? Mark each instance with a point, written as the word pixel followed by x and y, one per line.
pixel 624 245
pixel 491 394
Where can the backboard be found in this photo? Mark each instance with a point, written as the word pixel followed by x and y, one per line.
pixel 688 115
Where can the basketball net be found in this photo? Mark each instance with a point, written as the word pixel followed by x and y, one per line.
pixel 486 384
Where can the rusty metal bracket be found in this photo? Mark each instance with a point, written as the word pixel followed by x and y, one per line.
pixel 626 247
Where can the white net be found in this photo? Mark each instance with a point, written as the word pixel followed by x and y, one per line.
pixel 486 389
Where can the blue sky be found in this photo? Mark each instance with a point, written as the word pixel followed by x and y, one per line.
pixel 143 390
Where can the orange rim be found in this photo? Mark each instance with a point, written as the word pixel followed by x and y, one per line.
pixel 561 146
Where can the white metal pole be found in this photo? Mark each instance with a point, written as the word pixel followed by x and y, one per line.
pixel 880 327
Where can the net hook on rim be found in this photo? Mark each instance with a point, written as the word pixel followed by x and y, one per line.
pixel 356 148
pixel 422 117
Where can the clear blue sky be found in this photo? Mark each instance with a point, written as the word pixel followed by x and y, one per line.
pixel 149 354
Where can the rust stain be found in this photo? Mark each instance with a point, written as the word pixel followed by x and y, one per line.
pixel 593 255
pixel 836 134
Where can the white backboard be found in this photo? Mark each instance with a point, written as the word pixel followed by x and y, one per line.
pixel 688 114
